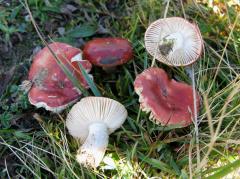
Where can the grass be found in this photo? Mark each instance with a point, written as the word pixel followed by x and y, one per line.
pixel 35 143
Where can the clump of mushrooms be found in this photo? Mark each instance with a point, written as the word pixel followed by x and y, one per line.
pixel 169 102
pixel 174 41
pixel 48 85
pixel 91 121
pixel 108 52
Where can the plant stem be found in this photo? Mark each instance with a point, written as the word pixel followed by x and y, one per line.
pixel 195 119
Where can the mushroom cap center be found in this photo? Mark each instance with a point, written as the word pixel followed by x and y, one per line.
pixel 171 42
pixel 177 39
pixel 174 41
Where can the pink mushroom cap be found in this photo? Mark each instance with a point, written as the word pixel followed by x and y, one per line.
pixel 51 88
pixel 169 102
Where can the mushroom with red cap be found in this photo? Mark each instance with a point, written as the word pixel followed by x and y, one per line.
pixel 174 41
pixel 108 52
pixel 168 101
pixel 50 88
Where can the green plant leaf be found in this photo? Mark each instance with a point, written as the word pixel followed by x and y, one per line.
pixel 67 40
pixel 84 30
pixel 52 9
pixel 3 28
pixel 15 12
pixel 22 135
pixel 156 163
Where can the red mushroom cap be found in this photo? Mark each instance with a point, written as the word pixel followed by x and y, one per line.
pixel 51 88
pixel 170 102
pixel 108 52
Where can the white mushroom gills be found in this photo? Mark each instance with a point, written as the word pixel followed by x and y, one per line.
pixel 174 41
pixel 77 58
pixel 91 121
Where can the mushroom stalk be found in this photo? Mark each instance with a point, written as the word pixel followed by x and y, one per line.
pixel 93 149
pixel 109 69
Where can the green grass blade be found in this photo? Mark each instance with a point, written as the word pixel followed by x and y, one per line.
pixel 225 170
pixel 156 163
pixel 90 82
pixel 175 166
pixel 68 73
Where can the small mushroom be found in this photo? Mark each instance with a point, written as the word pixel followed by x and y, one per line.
pixel 168 101
pixel 108 52
pixel 174 41
pixel 49 86
pixel 91 121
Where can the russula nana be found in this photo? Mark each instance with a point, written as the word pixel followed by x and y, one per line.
pixel 174 41
pixel 50 88
pixel 168 101
pixel 108 52
pixel 91 121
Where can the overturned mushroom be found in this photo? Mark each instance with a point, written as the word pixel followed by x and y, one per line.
pixel 174 41
pixel 108 52
pixel 49 86
pixel 91 121
pixel 168 101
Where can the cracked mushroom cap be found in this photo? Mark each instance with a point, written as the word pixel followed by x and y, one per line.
pixel 95 110
pixel 108 52
pixel 174 41
pixel 51 88
pixel 168 101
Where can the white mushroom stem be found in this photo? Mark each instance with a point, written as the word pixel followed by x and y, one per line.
pixel 93 149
